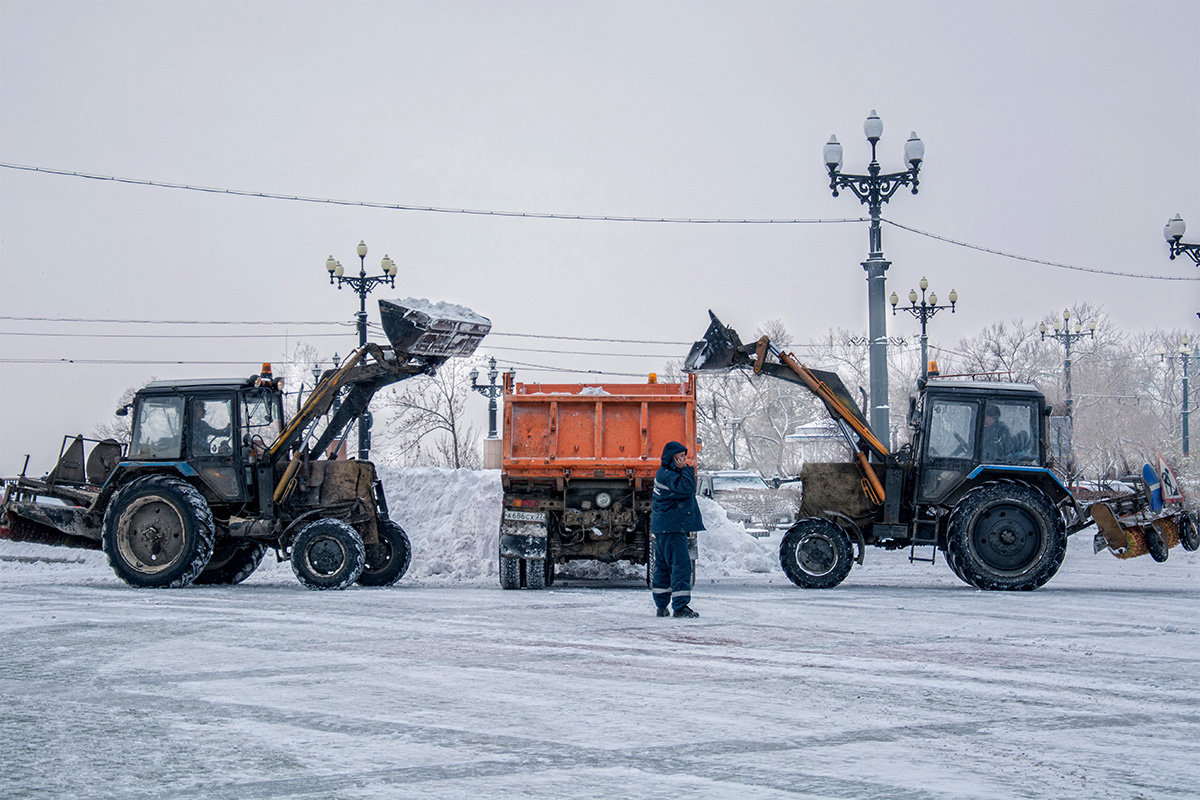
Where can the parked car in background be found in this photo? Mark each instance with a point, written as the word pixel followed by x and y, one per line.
pixel 750 500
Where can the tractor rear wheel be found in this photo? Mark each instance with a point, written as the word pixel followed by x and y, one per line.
pixel 328 554
pixel 233 560
pixel 535 573
pixel 816 554
pixel 157 532
pixel 1006 536
pixel 387 559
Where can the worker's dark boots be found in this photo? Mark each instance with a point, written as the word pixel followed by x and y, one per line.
pixel 686 612
pixel 663 612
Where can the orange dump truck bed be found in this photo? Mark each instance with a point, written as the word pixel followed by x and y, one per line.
pixel 596 430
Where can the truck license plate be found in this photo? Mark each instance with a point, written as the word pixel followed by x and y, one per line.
pixel 524 516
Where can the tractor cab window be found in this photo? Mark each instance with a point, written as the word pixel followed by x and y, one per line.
pixel 263 416
pixel 952 429
pixel 1010 432
pixel 157 428
pixel 211 427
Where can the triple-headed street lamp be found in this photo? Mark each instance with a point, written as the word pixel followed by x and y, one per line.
pixel 1187 353
pixel 1173 233
pixel 874 189
pixel 491 390
pixel 924 312
pixel 1063 332
pixel 362 285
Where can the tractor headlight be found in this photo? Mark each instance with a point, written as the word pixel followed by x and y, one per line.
pixel 603 500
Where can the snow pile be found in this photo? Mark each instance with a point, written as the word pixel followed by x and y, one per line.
pixel 593 390
pixel 453 519
pixel 442 310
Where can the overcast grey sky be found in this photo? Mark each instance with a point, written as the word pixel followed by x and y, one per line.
pixel 1068 132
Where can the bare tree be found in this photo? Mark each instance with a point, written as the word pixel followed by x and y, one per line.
pixel 118 428
pixel 424 422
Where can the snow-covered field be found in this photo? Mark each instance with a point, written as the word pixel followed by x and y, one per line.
pixel 901 683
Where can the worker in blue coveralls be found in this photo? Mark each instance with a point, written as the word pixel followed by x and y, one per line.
pixel 673 514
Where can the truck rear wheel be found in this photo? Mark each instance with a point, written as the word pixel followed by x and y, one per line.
pixel 157 532
pixel 816 554
pixel 535 573
pixel 387 559
pixel 1006 536
pixel 233 560
pixel 510 572
pixel 328 554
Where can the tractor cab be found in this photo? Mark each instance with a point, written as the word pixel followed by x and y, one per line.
pixel 966 428
pixel 209 429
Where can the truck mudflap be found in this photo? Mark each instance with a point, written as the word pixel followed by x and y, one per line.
pixel 522 545
pixel 423 328
pixel 1139 533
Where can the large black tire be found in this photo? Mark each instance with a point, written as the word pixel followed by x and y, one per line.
pixel 510 572
pixel 650 561
pixel 816 554
pixel 1156 543
pixel 328 554
pixel 952 562
pixel 387 559
pixel 535 573
pixel 1006 536
pixel 233 560
pixel 157 532
pixel 1189 537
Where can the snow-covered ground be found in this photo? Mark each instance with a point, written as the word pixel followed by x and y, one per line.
pixel 901 683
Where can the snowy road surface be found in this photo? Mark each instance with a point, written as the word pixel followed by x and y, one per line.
pixel 901 683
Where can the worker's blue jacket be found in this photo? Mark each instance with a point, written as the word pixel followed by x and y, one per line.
pixel 674 507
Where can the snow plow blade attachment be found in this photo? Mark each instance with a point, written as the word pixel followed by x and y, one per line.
pixel 1128 535
pixel 717 350
pixel 424 328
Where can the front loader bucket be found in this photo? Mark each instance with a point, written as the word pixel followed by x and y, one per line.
pixel 424 328
pixel 716 350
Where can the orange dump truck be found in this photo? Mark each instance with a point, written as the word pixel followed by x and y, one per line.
pixel 577 468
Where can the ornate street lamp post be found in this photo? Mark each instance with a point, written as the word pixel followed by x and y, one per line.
pixel 362 285
pixel 874 189
pixel 1173 233
pixel 1186 357
pixel 924 312
pixel 491 390
pixel 1063 332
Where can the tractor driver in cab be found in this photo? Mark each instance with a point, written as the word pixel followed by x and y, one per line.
pixel 997 440
pixel 205 437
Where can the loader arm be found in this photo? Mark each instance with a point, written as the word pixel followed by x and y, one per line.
pixel 721 348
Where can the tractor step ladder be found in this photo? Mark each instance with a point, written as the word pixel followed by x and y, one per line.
pixel 924 534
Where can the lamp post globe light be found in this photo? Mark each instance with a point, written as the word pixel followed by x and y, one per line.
pixel 874 189
pixel 491 390
pixel 1188 353
pixel 1173 232
pixel 1063 333
pixel 923 312
pixel 362 284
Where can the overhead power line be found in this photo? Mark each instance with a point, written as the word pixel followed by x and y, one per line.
pixel 577 217
pixel 1044 262
pixel 431 209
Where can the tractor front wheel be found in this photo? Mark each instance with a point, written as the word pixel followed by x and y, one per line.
pixel 387 559
pixel 328 554
pixel 816 554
